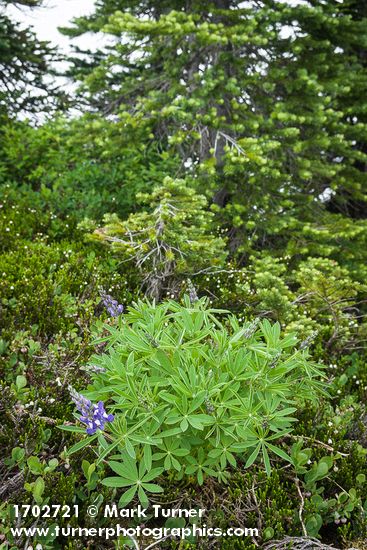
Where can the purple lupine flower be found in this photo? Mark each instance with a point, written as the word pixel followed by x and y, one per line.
pixel 113 307
pixel 192 292
pixel 94 416
pixel 82 403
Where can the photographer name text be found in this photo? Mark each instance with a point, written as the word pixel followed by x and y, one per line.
pixel 112 511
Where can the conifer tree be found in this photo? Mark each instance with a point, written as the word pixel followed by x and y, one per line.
pixel 24 62
pixel 263 101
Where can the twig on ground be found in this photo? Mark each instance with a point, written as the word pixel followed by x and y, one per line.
pixel 301 508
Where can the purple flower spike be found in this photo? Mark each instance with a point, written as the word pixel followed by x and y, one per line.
pixel 94 416
pixel 113 307
pixel 82 403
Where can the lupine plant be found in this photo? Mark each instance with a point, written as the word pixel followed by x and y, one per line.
pixel 195 392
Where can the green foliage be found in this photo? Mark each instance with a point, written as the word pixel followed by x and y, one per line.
pixel 190 394
pixel 168 242
pixel 52 285
pixel 78 168
pixel 321 510
pixel 23 60
pixel 273 127
pixel 317 296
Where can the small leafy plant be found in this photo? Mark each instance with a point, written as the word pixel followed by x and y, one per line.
pixel 193 392
pixel 320 509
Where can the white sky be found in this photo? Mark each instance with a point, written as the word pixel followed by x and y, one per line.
pixel 53 14
pixel 59 13
pixel 45 20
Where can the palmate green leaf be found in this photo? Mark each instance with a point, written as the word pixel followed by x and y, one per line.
pixel 231 459
pixel 169 433
pixel 278 434
pixel 193 378
pixel 187 321
pixel 130 448
pixel 116 482
pixel 197 401
pixel 208 470
pixel 109 449
pixel 184 424
pixel 183 404
pixel 145 439
pixel 173 399
pixel 253 456
pixel 192 468
pixel 277 373
pixel 81 444
pixel 142 469
pixel 152 474
pixel 152 488
pixel 174 418
pixel 167 461
pixel 196 341
pixel 266 460
pixel 180 387
pixel 259 349
pixel 286 411
pixel 198 421
pixel 200 477
pixel 102 441
pixel 271 332
pixel 136 342
pixel 238 335
pixel 159 456
pixel 215 453
pixel 76 429
pixel 147 457
pixel 180 452
pixel 176 464
pixel 127 497
pixel 131 391
pixel 130 362
pixel 164 361
pixel 126 469
pixel 142 496
pixel 282 390
pixel 223 460
pixel 279 452
pixel 249 439
pixel 184 383
pixel 282 424
pixel 288 341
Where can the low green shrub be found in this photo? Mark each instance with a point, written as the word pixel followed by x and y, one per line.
pixel 82 167
pixel 315 296
pixel 54 286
